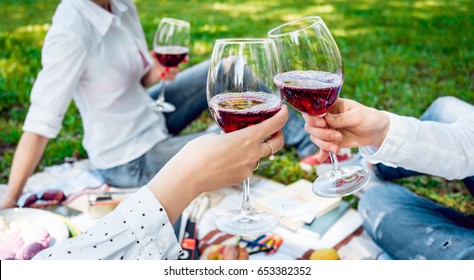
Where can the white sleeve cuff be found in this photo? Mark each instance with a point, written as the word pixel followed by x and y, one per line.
pixel 42 122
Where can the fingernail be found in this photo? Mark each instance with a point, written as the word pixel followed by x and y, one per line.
pixel 319 123
pixel 162 75
pixel 167 69
pixel 333 149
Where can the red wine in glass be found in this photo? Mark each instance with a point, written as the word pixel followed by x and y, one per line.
pixel 170 56
pixel 311 92
pixel 234 111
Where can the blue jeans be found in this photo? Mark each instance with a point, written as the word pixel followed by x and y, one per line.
pixel 188 93
pixel 408 226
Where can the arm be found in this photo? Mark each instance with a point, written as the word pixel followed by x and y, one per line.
pixel 439 149
pixel 27 155
pixel 140 227
pixel 63 57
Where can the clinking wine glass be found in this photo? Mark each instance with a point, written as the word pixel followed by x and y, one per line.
pixel 171 45
pixel 240 93
pixel 311 81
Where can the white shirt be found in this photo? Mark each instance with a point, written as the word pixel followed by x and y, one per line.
pixel 434 148
pixel 137 229
pixel 93 57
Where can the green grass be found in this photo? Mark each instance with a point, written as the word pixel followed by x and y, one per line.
pixel 398 55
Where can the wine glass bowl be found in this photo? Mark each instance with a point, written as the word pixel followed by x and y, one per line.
pixel 241 93
pixel 170 45
pixel 311 81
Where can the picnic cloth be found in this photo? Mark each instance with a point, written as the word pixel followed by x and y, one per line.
pixel 346 235
pixel 79 178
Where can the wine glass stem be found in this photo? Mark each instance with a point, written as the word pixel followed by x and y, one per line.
pixel 161 97
pixel 246 208
pixel 335 164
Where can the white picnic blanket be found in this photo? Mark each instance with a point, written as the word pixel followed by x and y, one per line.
pixel 80 177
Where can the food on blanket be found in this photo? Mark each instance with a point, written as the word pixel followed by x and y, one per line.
pixel 325 254
pixel 30 200
pixel 227 252
pixel 10 243
pixel 21 240
pixel 50 197
pixel 54 195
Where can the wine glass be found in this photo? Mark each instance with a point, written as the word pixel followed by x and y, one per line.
pixel 171 45
pixel 240 93
pixel 311 80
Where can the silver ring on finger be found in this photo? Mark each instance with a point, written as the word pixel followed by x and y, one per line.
pixel 271 156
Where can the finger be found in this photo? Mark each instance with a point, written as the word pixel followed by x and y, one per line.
pixel 347 119
pixel 344 114
pixel 272 145
pixel 325 145
pixel 343 105
pixel 322 156
pixel 271 125
pixel 186 59
pixel 324 134
pixel 314 120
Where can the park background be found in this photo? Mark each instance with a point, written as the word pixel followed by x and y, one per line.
pixel 399 56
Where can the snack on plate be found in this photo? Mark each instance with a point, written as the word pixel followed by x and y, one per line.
pixel 21 240
pixel 227 252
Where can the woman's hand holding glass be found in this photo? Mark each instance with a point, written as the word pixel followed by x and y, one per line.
pixel 214 161
pixel 241 93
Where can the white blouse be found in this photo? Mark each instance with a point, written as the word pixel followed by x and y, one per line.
pixel 137 229
pixel 434 148
pixel 97 58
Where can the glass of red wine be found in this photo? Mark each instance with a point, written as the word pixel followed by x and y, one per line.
pixel 311 81
pixel 241 93
pixel 171 45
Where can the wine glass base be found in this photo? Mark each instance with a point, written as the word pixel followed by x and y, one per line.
pixel 347 181
pixel 164 107
pixel 256 223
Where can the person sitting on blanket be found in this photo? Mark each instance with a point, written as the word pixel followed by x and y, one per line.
pixel 95 53
pixel 404 224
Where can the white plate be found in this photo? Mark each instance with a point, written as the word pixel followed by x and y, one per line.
pixel 56 228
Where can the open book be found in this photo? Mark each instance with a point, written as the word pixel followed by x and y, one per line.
pixel 296 204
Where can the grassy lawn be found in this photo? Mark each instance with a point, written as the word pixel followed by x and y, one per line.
pixel 398 55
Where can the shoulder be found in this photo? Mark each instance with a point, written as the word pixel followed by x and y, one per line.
pixel 69 23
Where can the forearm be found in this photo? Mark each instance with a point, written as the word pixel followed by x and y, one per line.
pixel 174 188
pixel 150 78
pixel 27 156
pixel 439 149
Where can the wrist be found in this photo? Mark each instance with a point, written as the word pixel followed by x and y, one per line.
pixel 384 125
pixel 173 192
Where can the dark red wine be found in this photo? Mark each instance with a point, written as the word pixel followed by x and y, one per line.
pixel 234 111
pixel 311 92
pixel 170 56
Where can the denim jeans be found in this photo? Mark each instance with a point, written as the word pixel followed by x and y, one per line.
pixel 188 93
pixel 408 226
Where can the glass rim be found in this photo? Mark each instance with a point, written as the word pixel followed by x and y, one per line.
pixel 244 40
pixel 318 20
pixel 176 21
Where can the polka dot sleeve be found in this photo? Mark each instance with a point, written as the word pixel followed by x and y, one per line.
pixel 138 228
